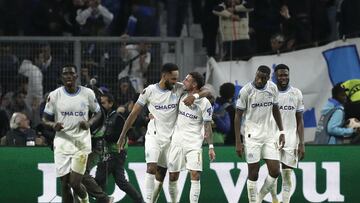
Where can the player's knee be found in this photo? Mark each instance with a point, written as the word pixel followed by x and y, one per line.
pixel 275 173
pixel 195 175
pixel 151 168
pixel 253 175
pixel 74 183
pixel 173 176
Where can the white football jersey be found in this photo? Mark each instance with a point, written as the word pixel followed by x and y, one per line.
pixel 163 105
pixel 257 105
pixel 71 109
pixel 290 102
pixel 188 129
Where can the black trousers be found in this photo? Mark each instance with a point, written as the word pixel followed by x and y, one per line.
pixel 114 165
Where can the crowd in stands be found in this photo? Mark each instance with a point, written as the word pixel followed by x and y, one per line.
pixel 244 27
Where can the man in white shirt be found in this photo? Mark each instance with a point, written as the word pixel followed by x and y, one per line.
pixel 186 144
pixel 67 112
pixel 256 105
pixel 162 100
pixel 291 107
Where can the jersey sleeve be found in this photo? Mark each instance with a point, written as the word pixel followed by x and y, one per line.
pixel 50 104
pixel 241 102
pixel 207 111
pixel 93 103
pixel 276 95
pixel 144 96
pixel 300 102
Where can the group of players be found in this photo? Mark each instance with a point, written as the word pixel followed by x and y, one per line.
pixel 180 121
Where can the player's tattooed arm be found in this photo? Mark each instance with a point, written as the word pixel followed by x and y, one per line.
pixel 47 120
pixel 209 139
pixel 239 147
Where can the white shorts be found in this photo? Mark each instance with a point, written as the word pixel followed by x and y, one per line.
pixel 256 151
pixel 156 151
pixel 289 157
pixel 65 163
pixel 181 158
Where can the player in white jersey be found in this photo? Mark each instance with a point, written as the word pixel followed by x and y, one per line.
pixel 291 108
pixel 256 105
pixel 67 112
pixel 162 101
pixel 186 143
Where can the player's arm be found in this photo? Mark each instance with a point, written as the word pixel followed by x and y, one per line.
pixel 300 132
pixel 189 100
pixel 128 123
pixel 87 124
pixel 209 139
pixel 237 127
pixel 277 117
pixel 48 121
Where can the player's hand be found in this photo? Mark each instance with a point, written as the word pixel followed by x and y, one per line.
pixel 281 141
pixel 121 142
pixel 301 151
pixel 189 100
pixel 84 125
pixel 239 149
pixel 212 154
pixel 58 126
pixel 151 116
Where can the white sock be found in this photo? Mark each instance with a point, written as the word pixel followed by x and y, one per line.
pixel 252 190
pixel 157 189
pixel 286 185
pixel 195 191
pixel 84 200
pixel 149 187
pixel 173 190
pixel 273 192
pixel 266 188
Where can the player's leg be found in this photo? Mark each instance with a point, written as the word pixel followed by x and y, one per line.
pixel 116 167
pixel 176 162
pixel 252 155
pixel 286 183
pixel 194 165
pixel 161 169
pixel 78 168
pixel 66 189
pixel 271 155
pixel 152 152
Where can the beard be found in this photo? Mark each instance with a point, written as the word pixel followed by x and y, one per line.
pixel 168 86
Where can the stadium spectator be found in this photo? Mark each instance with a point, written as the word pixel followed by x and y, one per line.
pixel 226 102
pixel 20 133
pixel 94 19
pixel 234 28
pixel 331 128
pixel 352 90
pixel 143 20
pixel 9 63
pixel 137 57
pixel 258 103
pixel 67 113
pixel 4 123
pixel 125 96
pixel 291 107
pixel 162 100
pixel 186 143
pixel 115 159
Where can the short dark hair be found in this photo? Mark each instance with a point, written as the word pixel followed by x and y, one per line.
pixel 198 78
pixel 337 89
pixel 281 66
pixel 264 69
pixel 69 66
pixel 227 90
pixel 169 67
pixel 110 99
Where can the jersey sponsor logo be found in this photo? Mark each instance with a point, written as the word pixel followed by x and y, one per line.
pixel 189 115
pixel 286 108
pixel 165 107
pixel 71 113
pixel 264 104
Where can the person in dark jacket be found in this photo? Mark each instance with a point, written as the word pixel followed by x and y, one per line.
pixel 20 134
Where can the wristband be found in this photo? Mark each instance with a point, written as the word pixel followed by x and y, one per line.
pixel 211 146
pixel 282 132
pixel 196 95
